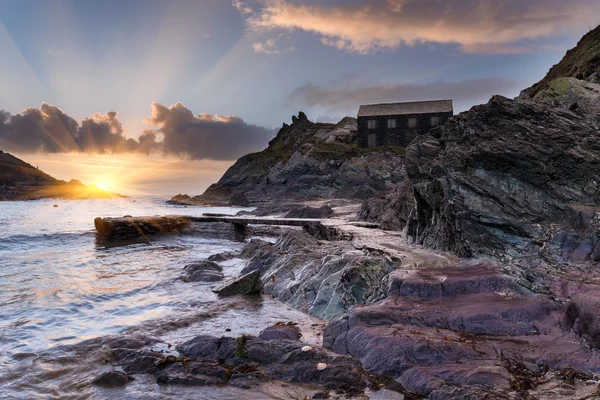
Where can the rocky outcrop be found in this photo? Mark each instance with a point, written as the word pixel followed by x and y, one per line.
pixel 495 178
pixel 467 326
pixel 392 211
pixel 507 177
pixel 322 278
pixel 246 362
pixel 307 160
pixel 22 181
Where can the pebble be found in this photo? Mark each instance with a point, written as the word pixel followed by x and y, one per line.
pixel 306 348
pixel 321 366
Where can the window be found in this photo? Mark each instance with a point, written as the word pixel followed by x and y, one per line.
pixel 435 121
pixel 391 123
pixel 412 122
pixel 372 124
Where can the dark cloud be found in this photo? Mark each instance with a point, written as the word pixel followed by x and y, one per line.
pixel 49 130
pixel 206 136
pixel 347 97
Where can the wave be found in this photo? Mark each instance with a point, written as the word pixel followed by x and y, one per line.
pixel 41 239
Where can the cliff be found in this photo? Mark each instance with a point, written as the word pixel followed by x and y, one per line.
pixel 511 177
pixel 22 181
pixel 307 160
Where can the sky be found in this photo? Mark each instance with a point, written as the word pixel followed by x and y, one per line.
pixel 160 97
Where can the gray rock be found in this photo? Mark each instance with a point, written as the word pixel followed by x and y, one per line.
pixel 113 379
pixel 310 212
pixel 245 284
pixel 203 271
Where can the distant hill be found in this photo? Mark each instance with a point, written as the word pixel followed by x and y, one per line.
pixel 22 181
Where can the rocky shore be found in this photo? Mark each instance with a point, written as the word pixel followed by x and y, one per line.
pixel 469 272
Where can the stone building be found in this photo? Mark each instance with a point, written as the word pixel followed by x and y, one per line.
pixel 397 124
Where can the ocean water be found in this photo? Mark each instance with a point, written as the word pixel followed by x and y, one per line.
pixel 60 291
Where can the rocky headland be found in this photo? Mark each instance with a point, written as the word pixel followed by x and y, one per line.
pixel 307 161
pixel 22 181
pixel 482 284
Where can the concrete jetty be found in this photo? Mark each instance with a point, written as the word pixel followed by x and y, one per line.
pixel 128 227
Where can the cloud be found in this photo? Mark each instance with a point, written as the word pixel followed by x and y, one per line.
pixel 269 46
pixel 481 26
pixel 176 131
pixel 205 136
pixel 347 96
pixel 242 7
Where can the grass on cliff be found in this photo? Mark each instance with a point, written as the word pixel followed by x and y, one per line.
pixel 579 62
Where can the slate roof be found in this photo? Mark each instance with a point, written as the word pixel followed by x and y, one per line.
pixel 415 107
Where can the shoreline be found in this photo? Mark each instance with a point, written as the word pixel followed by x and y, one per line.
pixel 431 297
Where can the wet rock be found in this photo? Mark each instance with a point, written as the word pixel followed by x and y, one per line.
pixel 245 284
pixel 250 359
pixel 280 331
pixel 203 271
pixel 112 379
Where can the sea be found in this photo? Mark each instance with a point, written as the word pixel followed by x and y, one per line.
pixel 62 291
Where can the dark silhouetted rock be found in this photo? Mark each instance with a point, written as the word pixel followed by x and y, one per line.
pixel 112 379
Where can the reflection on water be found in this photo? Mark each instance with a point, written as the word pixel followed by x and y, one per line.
pixel 59 288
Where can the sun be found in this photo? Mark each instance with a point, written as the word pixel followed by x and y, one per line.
pixel 103 185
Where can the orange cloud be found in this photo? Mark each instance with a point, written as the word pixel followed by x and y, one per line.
pixel 486 26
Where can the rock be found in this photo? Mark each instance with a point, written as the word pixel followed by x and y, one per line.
pixel 203 271
pixel 310 212
pixel 391 212
pixel 280 331
pixel 245 284
pixel 112 379
pixel 321 278
pixel 582 315
pixel 458 326
pixel 308 160
pixel 484 185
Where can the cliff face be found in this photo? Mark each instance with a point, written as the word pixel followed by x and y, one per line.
pixel 495 178
pixel 308 160
pixel 22 181
pixel 505 176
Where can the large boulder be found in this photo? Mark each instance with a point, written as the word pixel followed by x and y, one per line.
pixel 245 284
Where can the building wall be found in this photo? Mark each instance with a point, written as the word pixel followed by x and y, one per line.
pixel 402 135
